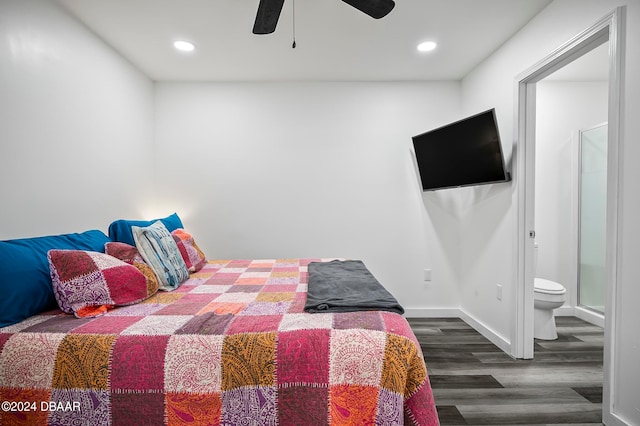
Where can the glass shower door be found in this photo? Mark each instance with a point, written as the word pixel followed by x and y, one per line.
pixel 592 227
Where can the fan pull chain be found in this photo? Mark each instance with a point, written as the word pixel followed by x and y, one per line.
pixel 293 3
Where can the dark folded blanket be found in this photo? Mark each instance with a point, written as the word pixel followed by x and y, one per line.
pixel 346 286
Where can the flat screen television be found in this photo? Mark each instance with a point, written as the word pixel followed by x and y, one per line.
pixel 467 152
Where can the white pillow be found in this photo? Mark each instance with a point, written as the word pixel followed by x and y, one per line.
pixel 158 248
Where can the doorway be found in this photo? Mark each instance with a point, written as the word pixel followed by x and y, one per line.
pixel 570 182
pixel 610 28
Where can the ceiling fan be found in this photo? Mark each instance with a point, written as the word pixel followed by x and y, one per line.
pixel 269 12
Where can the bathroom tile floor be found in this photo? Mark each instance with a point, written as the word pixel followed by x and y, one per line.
pixel 475 383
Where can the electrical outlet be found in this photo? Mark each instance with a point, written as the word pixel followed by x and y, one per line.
pixel 499 291
pixel 427 274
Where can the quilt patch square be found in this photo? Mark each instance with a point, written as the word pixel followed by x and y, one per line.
pixel 286 263
pixel 247 360
pixel 164 298
pixel 262 263
pixel 36 319
pixel 223 279
pixel 140 363
pixel 251 406
pixel 356 357
pixel 280 288
pixel 299 321
pixel 193 364
pixel 251 280
pixel 266 308
pixel 80 407
pixel 183 409
pixel 303 357
pixel 82 362
pixel 231 269
pixel 223 308
pixel 297 305
pixel 32 359
pixel 400 357
pixel 389 408
pixel 157 325
pixel 246 288
pixel 421 404
pixel 370 320
pixel 139 310
pixel 204 274
pixel 275 296
pixel 58 324
pixel 215 264
pixel 24 417
pixel 137 405
pixel 301 405
pixel 258 267
pixel 353 404
pixel 284 276
pixel 209 288
pixel 206 323
pixel 195 298
pixel 107 325
pixel 255 273
pixel 182 308
pixel 237 297
pixel 239 263
pixel 249 324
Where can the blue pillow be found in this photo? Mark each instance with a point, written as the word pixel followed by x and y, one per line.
pixel 25 280
pixel 120 230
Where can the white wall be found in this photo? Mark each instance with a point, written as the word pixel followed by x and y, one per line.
pixel 492 83
pixel 562 109
pixel 311 170
pixel 76 126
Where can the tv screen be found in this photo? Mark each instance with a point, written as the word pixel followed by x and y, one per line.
pixel 467 152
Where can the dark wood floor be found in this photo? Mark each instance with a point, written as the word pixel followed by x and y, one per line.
pixel 475 383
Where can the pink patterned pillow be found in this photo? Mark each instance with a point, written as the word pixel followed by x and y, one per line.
pixel 130 254
pixel 87 283
pixel 193 257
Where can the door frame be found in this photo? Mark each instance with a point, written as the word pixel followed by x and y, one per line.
pixel 610 28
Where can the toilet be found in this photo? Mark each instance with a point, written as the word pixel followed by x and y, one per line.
pixel 547 296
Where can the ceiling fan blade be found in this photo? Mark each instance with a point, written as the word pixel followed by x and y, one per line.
pixel 375 8
pixel 267 16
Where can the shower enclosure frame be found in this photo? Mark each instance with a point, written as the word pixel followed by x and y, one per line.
pixel 583 311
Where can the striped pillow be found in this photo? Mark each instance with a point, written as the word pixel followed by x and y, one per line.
pixel 160 252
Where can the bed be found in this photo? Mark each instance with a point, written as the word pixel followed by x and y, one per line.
pixel 231 345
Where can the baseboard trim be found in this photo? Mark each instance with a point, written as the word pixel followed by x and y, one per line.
pixel 590 316
pixel 487 332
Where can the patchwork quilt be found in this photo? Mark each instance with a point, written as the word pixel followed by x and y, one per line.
pixel 230 346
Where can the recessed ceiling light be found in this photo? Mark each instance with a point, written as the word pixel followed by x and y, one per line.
pixel 427 46
pixel 184 46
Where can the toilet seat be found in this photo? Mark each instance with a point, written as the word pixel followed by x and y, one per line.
pixel 540 285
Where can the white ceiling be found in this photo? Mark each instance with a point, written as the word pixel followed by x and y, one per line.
pixel 334 40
